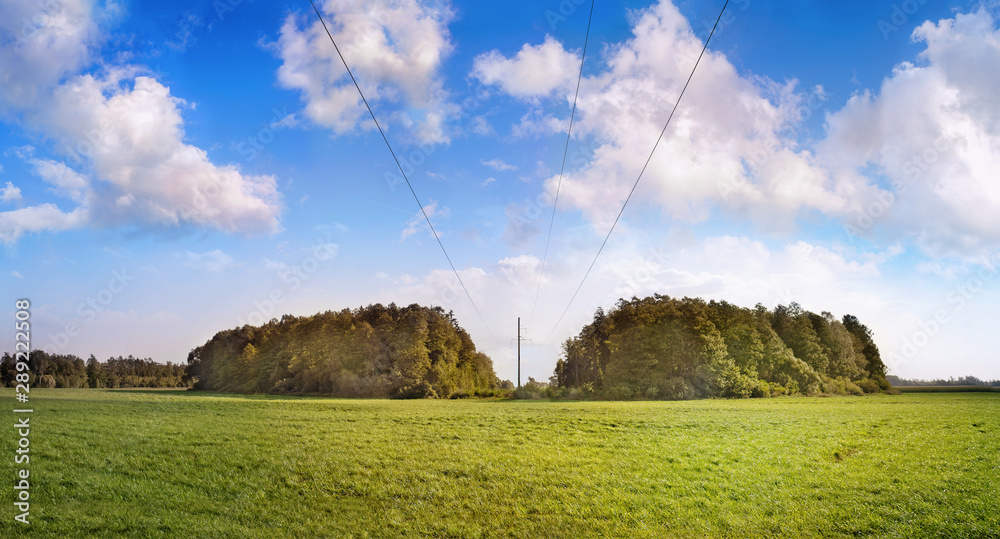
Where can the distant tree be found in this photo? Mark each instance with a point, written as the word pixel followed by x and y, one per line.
pixel 7 370
pixel 95 372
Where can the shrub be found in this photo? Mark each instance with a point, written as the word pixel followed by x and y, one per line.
pixel 761 389
pixel 868 385
pixel 528 392
pixel 618 392
pixel 677 389
pixel 852 388
pixel 419 390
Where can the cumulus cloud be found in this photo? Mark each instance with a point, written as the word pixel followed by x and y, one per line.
pixel 535 71
pixel 931 134
pixel 119 134
pixel 932 131
pixel 43 42
pixel 149 174
pixel 726 145
pixel 10 193
pixel 394 48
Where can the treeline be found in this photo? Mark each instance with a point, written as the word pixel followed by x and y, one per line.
pixel 62 370
pixel 665 348
pixel 963 381
pixel 373 351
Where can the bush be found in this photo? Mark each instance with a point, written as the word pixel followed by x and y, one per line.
pixel 419 390
pixel 676 389
pixel 852 388
pixel 761 390
pixel 619 392
pixel 528 392
pixel 868 385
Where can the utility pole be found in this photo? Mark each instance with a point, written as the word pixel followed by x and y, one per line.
pixel 519 339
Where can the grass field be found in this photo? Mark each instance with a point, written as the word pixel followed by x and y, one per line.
pixel 183 464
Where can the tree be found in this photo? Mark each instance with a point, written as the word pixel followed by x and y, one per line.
pixel 7 370
pixel 865 346
pixel 373 351
pixel 95 372
pixel 662 347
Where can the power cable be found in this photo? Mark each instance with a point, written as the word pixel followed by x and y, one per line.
pixel 562 169
pixel 636 184
pixel 401 171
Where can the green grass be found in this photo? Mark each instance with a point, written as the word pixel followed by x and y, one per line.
pixel 182 464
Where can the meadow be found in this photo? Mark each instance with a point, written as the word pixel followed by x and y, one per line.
pixel 171 463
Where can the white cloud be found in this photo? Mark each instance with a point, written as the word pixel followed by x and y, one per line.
pixel 16 274
pixel 498 164
pixel 125 130
pixel 41 218
pixel 482 127
pixel 43 42
pixel 488 181
pixel 212 261
pixel 394 47
pixel 141 156
pixel 10 193
pixel 184 36
pixel 535 71
pixel 728 131
pixel 933 132
pixel 65 181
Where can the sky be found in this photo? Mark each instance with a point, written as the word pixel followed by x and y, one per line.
pixel 171 170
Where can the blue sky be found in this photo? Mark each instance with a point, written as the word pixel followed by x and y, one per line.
pixel 172 170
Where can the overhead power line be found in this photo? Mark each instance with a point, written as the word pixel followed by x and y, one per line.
pixel 401 171
pixel 641 172
pixel 562 169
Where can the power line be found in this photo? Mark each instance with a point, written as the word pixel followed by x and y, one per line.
pixel 401 171
pixel 569 132
pixel 636 184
